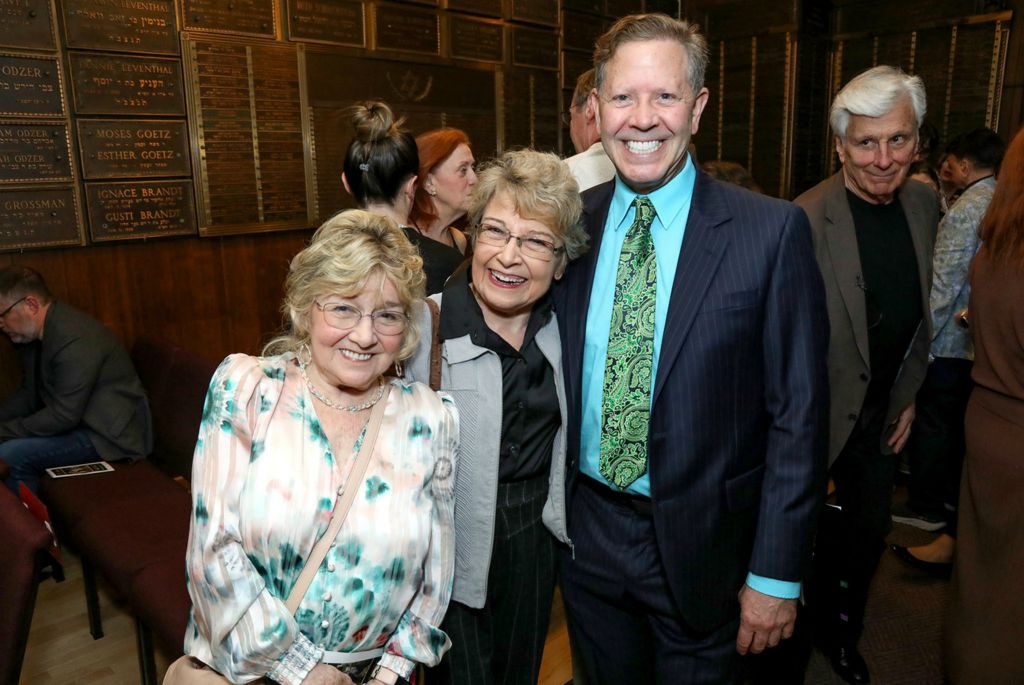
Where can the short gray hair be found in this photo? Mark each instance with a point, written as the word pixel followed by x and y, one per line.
pixel 874 93
pixel 584 84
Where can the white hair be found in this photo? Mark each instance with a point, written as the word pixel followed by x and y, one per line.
pixel 874 93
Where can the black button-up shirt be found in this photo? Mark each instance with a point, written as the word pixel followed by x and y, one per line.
pixel 530 416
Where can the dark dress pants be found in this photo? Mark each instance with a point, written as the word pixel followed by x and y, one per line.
pixel 936 447
pixel 503 643
pixel 625 623
pixel 851 539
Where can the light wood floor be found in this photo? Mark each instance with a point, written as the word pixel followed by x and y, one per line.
pixel 61 651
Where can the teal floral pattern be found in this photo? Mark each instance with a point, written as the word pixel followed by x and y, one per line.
pixel 264 484
pixel 626 404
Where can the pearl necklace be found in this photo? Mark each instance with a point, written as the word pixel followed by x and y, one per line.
pixel 354 408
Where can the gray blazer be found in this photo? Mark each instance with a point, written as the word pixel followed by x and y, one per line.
pixel 472 376
pixel 79 376
pixel 835 246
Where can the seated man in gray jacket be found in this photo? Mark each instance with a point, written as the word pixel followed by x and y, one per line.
pixel 80 399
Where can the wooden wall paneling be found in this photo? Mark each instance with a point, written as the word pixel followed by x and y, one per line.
pixel 858 56
pixel 878 17
pixel 707 140
pixel 896 50
pixel 971 78
pixel 1011 110
pixel 932 65
pixel 812 138
pixel 736 101
pixel 771 116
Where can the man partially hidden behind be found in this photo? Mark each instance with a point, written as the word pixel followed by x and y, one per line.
pixel 590 166
pixel 873 240
pixel 694 338
pixel 80 399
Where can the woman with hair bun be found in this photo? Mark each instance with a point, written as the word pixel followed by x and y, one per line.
pixel 446 180
pixel 380 172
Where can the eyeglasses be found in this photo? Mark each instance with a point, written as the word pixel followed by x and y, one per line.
pixel 533 246
pixel 344 317
pixel 567 118
pixel 7 311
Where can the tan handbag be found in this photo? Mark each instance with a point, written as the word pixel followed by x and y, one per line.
pixel 188 670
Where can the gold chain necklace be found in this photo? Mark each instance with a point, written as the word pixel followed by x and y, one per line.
pixel 354 408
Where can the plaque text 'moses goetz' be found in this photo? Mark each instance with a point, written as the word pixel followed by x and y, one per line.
pixel 26 24
pixel 118 84
pixel 39 217
pixel 115 148
pixel 31 152
pixel 255 17
pixel 134 209
pixel 327 21
pixel 132 25
pixel 249 129
pixel 30 86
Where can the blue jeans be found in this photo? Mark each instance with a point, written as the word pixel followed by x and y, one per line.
pixel 30 457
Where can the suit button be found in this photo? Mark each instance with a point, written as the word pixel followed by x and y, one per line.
pixel 864 377
pixel 852 417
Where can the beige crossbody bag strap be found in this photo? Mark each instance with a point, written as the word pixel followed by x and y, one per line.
pixel 341 507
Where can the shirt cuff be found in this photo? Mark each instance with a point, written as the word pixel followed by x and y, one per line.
pixel 296 662
pixel 399 664
pixel 783 589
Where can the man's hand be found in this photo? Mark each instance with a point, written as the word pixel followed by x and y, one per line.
pixel 901 432
pixel 764 620
pixel 322 674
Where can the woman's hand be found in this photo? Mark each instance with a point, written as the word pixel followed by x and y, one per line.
pixel 322 674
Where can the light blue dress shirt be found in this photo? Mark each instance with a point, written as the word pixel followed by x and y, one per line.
pixel 672 206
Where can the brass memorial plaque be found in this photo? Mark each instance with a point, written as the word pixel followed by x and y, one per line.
pixel 574 64
pixel 476 39
pixel 250 153
pixel 538 11
pixel 130 25
pixel 534 48
pixel 31 152
pixel 26 24
pixel 490 8
pixel 531 100
pixel 147 209
pixel 39 217
pixel 581 31
pixel 122 148
pixel 30 86
pixel 592 6
pixel 327 21
pixel 249 17
pixel 407 29
pixel 118 84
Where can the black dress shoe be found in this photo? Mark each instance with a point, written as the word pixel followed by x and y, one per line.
pixel 932 568
pixel 849 664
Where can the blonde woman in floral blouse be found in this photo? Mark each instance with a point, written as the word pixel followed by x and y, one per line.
pixel 279 436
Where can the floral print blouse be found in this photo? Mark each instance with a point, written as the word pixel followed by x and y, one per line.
pixel 264 482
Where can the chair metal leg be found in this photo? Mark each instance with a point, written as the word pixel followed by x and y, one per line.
pixel 92 600
pixel 144 647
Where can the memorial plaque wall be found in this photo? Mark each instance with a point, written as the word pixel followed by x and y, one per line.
pixel 534 48
pixel 119 148
pixel 247 17
pixel 30 86
pixel 118 84
pixel 26 24
pixel 140 209
pixel 247 122
pixel 404 29
pixel 127 25
pixel 34 151
pixel 537 11
pixel 327 21
pixel 488 8
pixel 39 217
pixel 476 40
pixel 531 109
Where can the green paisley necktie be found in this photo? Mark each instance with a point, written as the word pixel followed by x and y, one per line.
pixel 626 403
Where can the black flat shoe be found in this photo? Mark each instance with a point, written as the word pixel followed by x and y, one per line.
pixel 849 664
pixel 932 568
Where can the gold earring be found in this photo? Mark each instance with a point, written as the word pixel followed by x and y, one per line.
pixel 304 348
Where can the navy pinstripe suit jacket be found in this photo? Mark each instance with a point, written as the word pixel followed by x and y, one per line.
pixel 738 434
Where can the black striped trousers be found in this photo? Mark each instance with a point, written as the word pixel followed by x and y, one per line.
pixel 502 643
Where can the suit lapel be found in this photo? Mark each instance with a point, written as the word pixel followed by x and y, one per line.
pixel 841 238
pixel 704 244
pixel 917 222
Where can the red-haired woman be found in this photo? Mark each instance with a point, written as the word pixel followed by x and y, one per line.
pixel 446 179
pixel 983 634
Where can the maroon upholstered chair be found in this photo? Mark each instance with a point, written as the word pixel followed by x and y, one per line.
pixel 5 470
pixel 23 552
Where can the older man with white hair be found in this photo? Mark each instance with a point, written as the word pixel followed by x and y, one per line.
pixel 873 238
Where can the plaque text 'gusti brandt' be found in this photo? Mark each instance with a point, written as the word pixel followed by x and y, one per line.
pixel 140 209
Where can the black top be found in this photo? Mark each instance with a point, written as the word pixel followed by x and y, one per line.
pixel 530 417
pixel 891 285
pixel 439 260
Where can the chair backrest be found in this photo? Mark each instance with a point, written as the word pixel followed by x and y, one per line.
pixel 23 544
pixel 176 381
